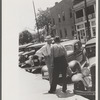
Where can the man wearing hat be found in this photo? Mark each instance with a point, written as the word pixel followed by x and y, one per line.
pixel 46 52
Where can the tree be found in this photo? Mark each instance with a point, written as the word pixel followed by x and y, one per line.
pixel 43 19
pixel 25 37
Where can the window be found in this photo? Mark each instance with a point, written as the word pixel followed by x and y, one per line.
pixel 63 16
pixel 59 19
pixel 72 33
pixel 53 21
pixel 61 33
pixel 78 35
pixel 87 24
pixel 68 47
pixel 93 23
pixel 90 9
pixel 80 26
pixel 90 51
pixel 82 33
pixel 65 32
pixel 70 14
pixel 94 31
pixel 79 13
pixel 76 46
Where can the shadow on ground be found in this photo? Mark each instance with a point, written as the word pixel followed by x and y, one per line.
pixel 60 94
pixel 34 71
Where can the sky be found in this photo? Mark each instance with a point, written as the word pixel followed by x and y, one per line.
pixel 21 11
pixel 17 15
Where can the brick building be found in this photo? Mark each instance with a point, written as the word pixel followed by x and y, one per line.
pixel 62 19
pixel 80 18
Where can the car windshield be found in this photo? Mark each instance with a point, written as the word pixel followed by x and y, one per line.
pixel 69 47
pixel 90 51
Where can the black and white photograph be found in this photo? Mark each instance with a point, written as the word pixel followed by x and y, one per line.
pixel 50 50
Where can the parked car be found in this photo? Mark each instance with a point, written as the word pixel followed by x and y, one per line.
pixel 91 51
pixel 88 73
pixel 74 51
pixel 36 46
pixel 23 48
pixel 34 62
pixel 29 53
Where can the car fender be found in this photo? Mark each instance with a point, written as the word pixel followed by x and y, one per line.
pixel 75 65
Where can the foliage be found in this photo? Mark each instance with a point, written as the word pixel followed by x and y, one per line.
pixel 43 19
pixel 25 37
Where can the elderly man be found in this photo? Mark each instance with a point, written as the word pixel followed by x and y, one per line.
pixel 46 52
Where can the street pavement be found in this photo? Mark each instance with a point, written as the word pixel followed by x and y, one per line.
pixel 29 86
pixel 32 86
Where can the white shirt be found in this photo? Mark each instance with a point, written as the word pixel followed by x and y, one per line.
pixel 44 51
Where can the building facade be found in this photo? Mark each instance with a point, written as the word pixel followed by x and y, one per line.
pixel 81 21
pixel 62 19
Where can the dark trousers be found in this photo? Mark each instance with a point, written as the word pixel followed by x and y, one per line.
pixel 60 67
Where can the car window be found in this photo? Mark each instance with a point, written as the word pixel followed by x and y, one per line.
pixel 77 46
pixel 69 47
pixel 90 51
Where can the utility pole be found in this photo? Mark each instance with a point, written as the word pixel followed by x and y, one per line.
pixel 73 15
pixel 88 33
pixel 36 22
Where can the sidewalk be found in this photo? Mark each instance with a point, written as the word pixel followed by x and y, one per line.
pixel 36 88
pixel 28 86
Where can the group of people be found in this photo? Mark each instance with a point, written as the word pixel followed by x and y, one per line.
pixel 56 60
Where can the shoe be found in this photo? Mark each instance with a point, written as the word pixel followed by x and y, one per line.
pixel 51 92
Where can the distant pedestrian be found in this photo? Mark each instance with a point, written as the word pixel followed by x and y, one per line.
pixel 45 52
pixel 59 64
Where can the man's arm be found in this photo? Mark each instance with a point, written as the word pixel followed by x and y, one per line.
pixel 41 52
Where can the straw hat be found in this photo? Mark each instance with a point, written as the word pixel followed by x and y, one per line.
pixel 48 38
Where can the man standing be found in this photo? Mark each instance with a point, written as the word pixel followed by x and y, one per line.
pixel 46 52
pixel 59 64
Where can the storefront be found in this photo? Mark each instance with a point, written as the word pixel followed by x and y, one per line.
pixel 81 21
pixel 93 28
pixel 81 33
pixel 81 30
